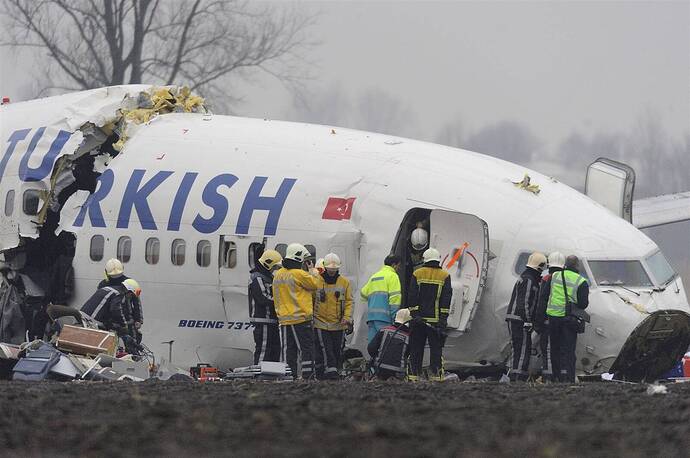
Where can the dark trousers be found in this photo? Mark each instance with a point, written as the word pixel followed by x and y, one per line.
pixel 546 357
pixel 419 334
pixel 266 342
pixel 298 348
pixel 521 341
pixel 328 346
pixel 563 338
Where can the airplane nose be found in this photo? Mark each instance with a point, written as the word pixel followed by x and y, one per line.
pixel 654 347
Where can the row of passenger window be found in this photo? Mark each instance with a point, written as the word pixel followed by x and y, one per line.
pixel 30 202
pixel 227 255
pixel 178 251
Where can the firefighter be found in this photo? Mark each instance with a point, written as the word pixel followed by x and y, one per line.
pixel 382 293
pixel 332 317
pixel 114 273
pixel 293 290
pixel 419 240
pixel 134 314
pixel 390 348
pixel 429 303
pixel 568 292
pixel 262 312
pixel 549 364
pixel 521 310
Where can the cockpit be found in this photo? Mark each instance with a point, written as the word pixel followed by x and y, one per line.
pixel 653 271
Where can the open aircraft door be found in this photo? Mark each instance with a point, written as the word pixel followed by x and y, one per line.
pixel 463 241
pixel 611 184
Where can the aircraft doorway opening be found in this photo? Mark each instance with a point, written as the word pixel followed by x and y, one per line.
pixel 463 242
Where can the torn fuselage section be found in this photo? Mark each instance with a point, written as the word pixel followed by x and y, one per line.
pixel 47 174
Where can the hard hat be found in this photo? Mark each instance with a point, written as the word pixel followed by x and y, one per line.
pixel 431 254
pixel 296 252
pixel 319 265
pixel 331 261
pixel 536 261
pixel 419 239
pixel 402 316
pixel 133 286
pixel 556 259
pixel 113 268
pixel 270 259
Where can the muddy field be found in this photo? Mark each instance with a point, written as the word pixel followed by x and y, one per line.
pixel 341 419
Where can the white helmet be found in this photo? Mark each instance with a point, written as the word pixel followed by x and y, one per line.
pixel 331 261
pixel 113 268
pixel 319 265
pixel 402 316
pixel 556 259
pixel 296 252
pixel 431 254
pixel 536 261
pixel 419 239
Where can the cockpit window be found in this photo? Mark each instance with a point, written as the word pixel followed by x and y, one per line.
pixel 660 268
pixel 619 273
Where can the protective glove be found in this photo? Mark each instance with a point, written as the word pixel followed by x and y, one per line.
pixel 527 326
pixel 350 327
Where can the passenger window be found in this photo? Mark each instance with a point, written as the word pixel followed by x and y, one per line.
pixel 96 248
pixel 153 249
pixel 203 253
pixel 228 254
pixel 521 263
pixel 312 251
pixel 255 252
pixel 9 202
pixel 124 249
pixel 31 202
pixel 177 252
pixel 281 248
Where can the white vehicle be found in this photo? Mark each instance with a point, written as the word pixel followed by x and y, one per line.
pixel 192 197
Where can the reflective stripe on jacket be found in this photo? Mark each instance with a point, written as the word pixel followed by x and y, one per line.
pixel 430 294
pixel 330 314
pixel 292 293
pixel 382 293
pixel 557 302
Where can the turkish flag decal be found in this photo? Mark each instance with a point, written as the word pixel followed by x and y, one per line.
pixel 338 208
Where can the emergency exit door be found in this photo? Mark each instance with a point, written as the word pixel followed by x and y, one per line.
pixel 463 241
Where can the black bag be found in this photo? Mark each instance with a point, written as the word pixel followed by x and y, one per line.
pixel 572 310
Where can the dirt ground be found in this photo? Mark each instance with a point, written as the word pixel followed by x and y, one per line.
pixel 157 418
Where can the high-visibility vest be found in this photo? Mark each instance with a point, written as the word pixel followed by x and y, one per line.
pixel 573 280
pixel 330 314
pixel 382 293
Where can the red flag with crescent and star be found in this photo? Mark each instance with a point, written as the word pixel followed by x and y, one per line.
pixel 338 208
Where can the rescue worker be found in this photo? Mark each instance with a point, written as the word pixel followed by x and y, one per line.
pixel 332 318
pixel 382 293
pixel 262 312
pixel 419 240
pixel 293 290
pixel 568 290
pixel 521 310
pixel 389 350
pixel 429 304
pixel 108 306
pixel 319 266
pixel 549 364
pixel 134 315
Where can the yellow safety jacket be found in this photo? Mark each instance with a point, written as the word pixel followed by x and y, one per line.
pixel 336 307
pixel 293 295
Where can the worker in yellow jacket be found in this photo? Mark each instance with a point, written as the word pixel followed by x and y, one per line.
pixel 293 291
pixel 332 317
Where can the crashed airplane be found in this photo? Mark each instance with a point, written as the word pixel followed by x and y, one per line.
pixel 187 200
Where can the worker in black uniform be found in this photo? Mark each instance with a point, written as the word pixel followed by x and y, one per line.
pixel 549 364
pixel 262 312
pixel 389 349
pixel 108 307
pixel 521 309
pixel 429 303
pixel 568 292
